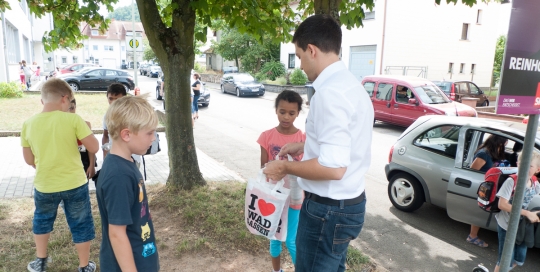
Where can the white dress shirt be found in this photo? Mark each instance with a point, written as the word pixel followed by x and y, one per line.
pixel 338 132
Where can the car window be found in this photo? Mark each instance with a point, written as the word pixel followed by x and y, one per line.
pixel 95 73
pixel 442 140
pixel 463 87
pixel 384 91
pixel 474 89
pixel 369 86
pixel 76 67
pixel 444 86
pixel 403 94
pixel 430 94
pixel 110 73
pixel 243 78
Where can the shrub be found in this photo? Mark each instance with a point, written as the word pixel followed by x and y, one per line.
pixel 273 69
pixel 298 77
pixel 260 76
pixel 198 67
pixel 11 89
pixel 278 81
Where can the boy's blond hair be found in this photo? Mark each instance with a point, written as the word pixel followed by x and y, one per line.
pixel 54 89
pixel 131 112
pixel 535 158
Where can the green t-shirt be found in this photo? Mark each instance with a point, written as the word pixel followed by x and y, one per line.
pixel 53 136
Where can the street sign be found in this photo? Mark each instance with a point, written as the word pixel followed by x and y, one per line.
pixel 132 42
pixel 519 91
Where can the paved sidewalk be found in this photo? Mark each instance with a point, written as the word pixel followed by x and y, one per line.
pixel 16 177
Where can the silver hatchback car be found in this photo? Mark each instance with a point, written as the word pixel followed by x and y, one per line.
pixel 430 163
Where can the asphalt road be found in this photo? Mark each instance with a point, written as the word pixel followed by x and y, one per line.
pixel 425 240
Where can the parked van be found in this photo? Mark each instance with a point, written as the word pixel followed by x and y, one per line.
pixel 458 89
pixel 401 100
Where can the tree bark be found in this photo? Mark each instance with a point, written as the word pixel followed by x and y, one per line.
pixel 174 49
pixel 330 7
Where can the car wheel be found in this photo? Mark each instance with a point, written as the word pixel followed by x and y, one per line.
pixel 405 192
pixel 222 89
pixel 74 86
pixel 238 92
pixel 485 104
pixel 126 87
pixel 158 97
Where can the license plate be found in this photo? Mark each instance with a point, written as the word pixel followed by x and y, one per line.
pixel 255 90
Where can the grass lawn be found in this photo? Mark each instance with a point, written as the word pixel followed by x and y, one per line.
pixel 14 111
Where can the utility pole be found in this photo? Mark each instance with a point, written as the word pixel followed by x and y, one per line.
pixel 134 41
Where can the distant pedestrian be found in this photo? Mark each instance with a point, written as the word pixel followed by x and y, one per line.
pixel 288 105
pixel 27 74
pixel 337 151
pixel 49 141
pixel 21 74
pixel 129 241
pixel 196 86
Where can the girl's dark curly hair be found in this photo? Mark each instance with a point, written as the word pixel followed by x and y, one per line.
pixel 291 97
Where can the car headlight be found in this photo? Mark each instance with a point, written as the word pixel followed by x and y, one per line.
pixel 262 86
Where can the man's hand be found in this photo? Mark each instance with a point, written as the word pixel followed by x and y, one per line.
pixel 293 149
pixel 275 170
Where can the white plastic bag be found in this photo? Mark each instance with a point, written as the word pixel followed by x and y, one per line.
pixel 264 205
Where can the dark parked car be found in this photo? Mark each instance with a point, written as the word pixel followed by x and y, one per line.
pixel 204 99
pixel 153 71
pixel 98 79
pixel 241 84
pixel 74 67
pixel 459 89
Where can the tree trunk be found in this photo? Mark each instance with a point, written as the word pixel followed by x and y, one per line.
pixel 174 49
pixel 330 7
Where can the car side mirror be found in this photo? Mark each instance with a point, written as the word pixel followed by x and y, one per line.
pixel 480 92
pixel 204 83
pixel 413 101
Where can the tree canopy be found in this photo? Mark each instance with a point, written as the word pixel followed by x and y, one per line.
pixel 124 14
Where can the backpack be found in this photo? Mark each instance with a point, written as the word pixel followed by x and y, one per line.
pixel 493 181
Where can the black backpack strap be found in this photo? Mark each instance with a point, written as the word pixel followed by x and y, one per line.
pixel 144 167
pixel 489 218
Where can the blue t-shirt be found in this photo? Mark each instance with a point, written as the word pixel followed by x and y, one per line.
pixel 122 200
pixel 484 155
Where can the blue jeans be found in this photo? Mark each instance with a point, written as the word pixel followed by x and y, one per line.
pixel 196 103
pixel 76 207
pixel 519 253
pixel 324 233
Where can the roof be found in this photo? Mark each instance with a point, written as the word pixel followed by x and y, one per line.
pixel 117 30
pixel 415 81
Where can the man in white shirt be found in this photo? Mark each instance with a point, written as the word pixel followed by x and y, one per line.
pixel 337 151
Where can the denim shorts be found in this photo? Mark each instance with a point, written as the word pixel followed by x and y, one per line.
pixel 76 207
pixel 519 253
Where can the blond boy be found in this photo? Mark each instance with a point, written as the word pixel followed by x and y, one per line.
pixel 128 233
pixel 49 141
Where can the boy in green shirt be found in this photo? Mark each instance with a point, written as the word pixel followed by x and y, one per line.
pixel 49 141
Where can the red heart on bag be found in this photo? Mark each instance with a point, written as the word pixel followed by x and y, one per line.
pixel 266 208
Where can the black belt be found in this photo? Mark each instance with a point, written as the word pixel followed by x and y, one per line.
pixel 333 202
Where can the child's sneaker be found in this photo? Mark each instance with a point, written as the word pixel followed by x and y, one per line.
pixel 91 267
pixel 480 268
pixel 38 265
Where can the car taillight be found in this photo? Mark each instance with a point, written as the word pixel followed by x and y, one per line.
pixel 453 93
pixel 390 155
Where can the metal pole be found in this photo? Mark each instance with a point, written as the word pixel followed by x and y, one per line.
pixel 523 176
pixel 134 41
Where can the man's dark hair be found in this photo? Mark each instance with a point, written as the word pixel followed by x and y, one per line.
pixel 291 97
pixel 116 89
pixel 320 30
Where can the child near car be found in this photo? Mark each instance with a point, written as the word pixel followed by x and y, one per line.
pixel 129 242
pixel 288 105
pixel 506 195
pixel 49 141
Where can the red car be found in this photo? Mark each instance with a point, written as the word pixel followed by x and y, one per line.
pixel 75 67
pixel 401 100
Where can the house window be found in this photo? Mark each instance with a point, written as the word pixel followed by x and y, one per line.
pixel 479 17
pixel 473 67
pixel 462 68
pixel 75 59
pixel 451 67
pixel 108 48
pixel 64 60
pixel 95 33
pixel 12 38
pixel 26 45
pixel 465 32
pixel 95 47
pixel 96 61
pixel 214 33
pixel 24 6
pixel 369 15
pixel 86 47
pixel 291 60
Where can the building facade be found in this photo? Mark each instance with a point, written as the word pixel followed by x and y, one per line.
pixel 21 35
pixel 419 38
pixel 111 49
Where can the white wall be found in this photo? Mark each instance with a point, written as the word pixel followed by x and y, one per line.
pixel 420 33
pixel 19 19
